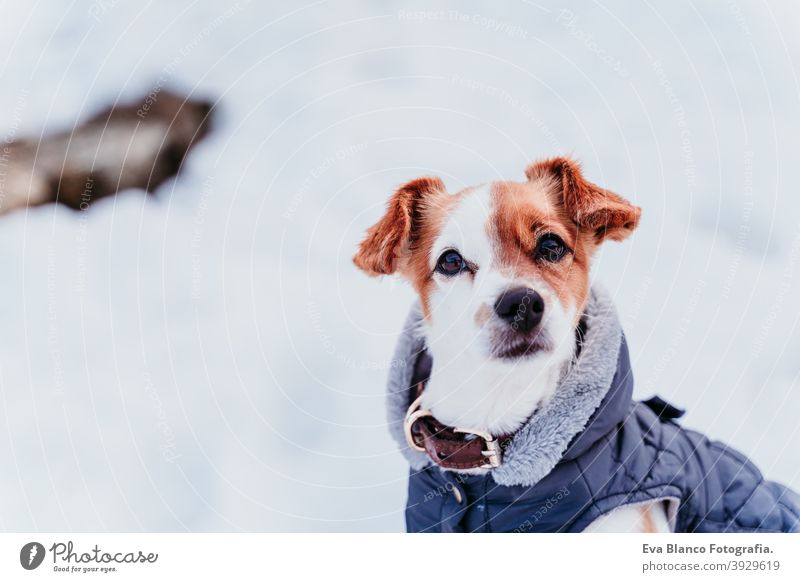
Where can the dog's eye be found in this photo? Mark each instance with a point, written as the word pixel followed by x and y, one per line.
pixel 450 263
pixel 551 248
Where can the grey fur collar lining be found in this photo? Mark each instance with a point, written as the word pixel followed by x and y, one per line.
pixel 542 441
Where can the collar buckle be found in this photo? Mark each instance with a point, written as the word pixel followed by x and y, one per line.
pixel 492 452
pixel 413 414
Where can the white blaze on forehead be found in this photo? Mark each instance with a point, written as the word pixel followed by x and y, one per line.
pixel 466 229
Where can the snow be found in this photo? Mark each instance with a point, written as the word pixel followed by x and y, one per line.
pixel 209 359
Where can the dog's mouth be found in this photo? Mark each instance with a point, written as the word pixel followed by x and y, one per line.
pixel 517 348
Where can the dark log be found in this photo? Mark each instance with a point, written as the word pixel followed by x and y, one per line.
pixel 133 145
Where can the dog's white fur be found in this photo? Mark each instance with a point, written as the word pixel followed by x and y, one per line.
pixel 469 387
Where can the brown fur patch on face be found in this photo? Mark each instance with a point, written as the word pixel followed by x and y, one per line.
pixel 417 269
pixel 523 213
pixel 482 315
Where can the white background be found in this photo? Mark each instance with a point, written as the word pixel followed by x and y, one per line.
pixel 209 359
pixel 618 557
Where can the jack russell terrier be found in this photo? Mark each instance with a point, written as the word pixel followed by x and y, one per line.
pixel 512 397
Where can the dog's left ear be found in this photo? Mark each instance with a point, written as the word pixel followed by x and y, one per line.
pixel 606 214
pixel 386 247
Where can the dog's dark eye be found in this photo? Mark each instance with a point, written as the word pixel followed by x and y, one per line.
pixel 450 263
pixel 551 248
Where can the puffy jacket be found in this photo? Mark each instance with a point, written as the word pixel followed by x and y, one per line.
pixel 624 452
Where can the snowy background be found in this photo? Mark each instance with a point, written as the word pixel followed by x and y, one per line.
pixel 209 359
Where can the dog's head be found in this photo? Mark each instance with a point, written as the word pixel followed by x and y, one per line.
pixel 501 269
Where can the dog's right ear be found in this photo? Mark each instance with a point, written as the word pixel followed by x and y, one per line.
pixel 386 246
pixel 602 212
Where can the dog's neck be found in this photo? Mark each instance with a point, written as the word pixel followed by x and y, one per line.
pixel 487 395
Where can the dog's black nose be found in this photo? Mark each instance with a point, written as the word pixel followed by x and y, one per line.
pixel 521 307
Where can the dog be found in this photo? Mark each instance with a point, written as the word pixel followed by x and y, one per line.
pixel 502 272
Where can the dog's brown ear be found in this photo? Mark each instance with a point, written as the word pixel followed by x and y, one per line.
pixel 606 214
pixel 386 244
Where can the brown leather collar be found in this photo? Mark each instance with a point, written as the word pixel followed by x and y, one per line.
pixel 447 446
